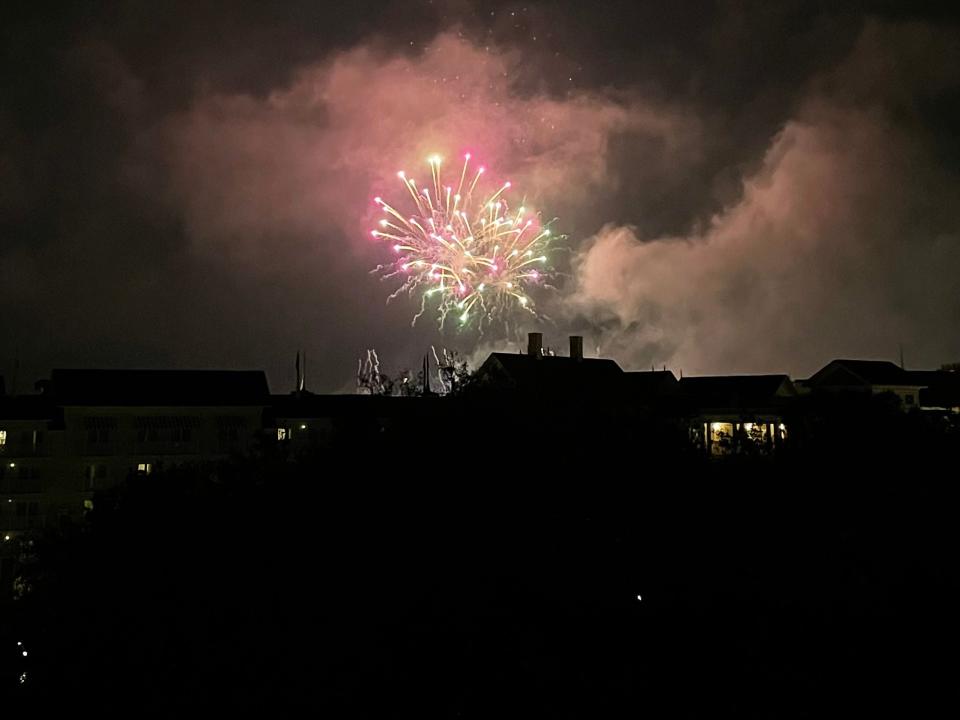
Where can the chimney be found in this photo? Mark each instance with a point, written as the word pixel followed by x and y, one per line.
pixel 576 347
pixel 535 344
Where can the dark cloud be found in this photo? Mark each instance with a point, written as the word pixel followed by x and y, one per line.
pixel 747 186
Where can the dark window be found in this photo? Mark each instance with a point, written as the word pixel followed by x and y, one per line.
pixel 908 399
pixel 97 436
pixel 95 473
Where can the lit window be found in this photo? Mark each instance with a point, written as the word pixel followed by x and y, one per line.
pixel 88 504
pixel 144 468
pixel 721 431
pixel 721 436
pixel 281 433
pixel 3 438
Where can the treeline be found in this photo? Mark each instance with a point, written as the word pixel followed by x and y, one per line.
pixel 498 564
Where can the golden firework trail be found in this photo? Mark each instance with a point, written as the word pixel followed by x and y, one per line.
pixel 466 251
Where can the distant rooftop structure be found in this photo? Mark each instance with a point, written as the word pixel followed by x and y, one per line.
pixel 156 387
pixel 737 390
pixel 850 373
pixel 540 373
pixel 650 383
pixel 873 377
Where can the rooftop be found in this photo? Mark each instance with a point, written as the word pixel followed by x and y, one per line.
pixel 861 372
pixel 552 373
pixel 736 390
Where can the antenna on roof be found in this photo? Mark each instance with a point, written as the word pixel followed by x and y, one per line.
pixel 901 357
pixel 297 365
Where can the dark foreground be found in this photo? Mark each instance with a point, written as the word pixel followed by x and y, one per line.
pixel 576 575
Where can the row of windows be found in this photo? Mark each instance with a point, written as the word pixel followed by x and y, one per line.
pixel 286 433
pixel 22 509
pixel 13 469
pixel 20 515
pixel 176 434
pixel 725 438
pixel 102 436
pixel 18 478
pixel 32 439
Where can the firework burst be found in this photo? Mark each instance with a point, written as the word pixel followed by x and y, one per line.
pixel 464 249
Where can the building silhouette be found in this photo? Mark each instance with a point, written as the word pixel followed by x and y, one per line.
pixel 84 431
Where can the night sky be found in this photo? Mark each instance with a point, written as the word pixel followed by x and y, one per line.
pixel 746 186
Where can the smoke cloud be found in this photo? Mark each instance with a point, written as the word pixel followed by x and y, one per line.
pixel 839 244
pixel 183 189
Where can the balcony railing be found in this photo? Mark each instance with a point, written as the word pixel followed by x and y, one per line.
pixel 21 522
pixel 16 486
